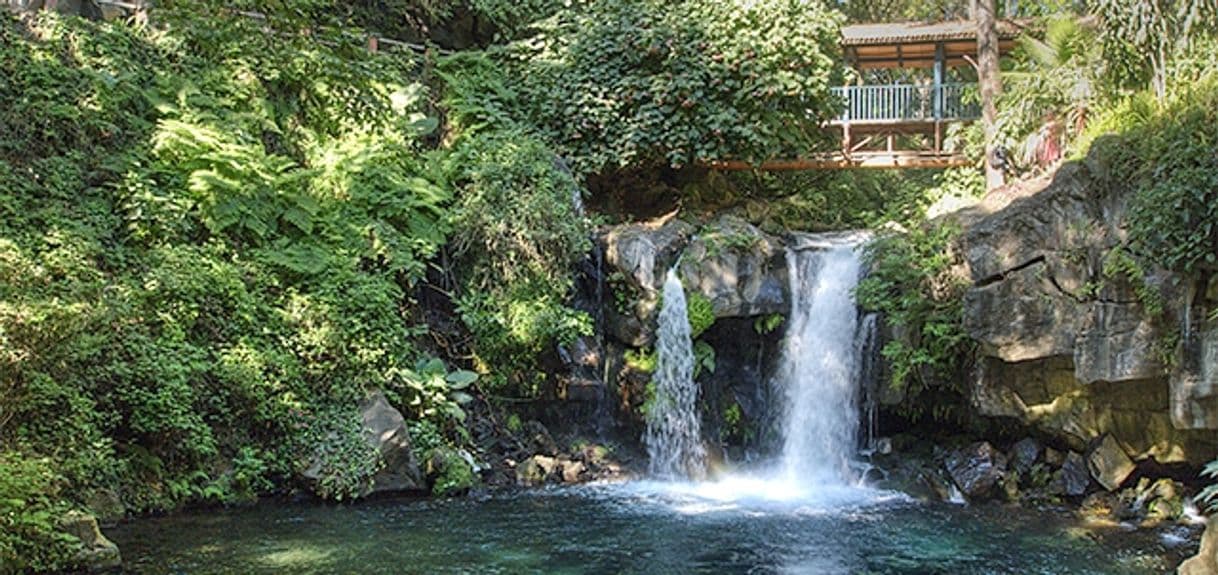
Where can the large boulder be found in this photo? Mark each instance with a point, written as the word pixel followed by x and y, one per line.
pixel 741 270
pixel 384 430
pixel 1074 476
pixel 1109 464
pixel 97 553
pixel 1024 454
pixel 1205 562
pixel 1073 351
pixel 976 469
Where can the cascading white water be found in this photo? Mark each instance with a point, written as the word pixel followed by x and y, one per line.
pixel 674 431
pixel 819 370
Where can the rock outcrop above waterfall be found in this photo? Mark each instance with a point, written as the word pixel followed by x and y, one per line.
pixel 740 269
pixel 729 266
pixel 637 256
pixel 1073 351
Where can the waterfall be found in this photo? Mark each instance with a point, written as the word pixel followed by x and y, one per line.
pixel 867 344
pixel 674 431
pixel 818 374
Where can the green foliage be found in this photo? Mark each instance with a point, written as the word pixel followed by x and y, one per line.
pixel 1173 217
pixel 650 396
pixel 208 235
pixel 1119 264
pixel 704 358
pixel 451 474
pixel 1141 38
pixel 735 427
pixel 625 295
pixel 766 324
pixel 342 461
pixel 516 238
pixel 432 392
pixel 912 283
pixel 819 200
pixel 29 513
pixel 1208 497
pixel 718 241
pixel 1055 82
pixel 701 313
pixel 690 81
pixel 641 360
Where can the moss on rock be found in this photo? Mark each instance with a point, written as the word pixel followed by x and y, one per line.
pixel 450 473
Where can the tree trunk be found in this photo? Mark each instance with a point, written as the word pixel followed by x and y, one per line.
pixel 990 82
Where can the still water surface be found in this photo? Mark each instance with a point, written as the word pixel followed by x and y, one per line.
pixel 640 527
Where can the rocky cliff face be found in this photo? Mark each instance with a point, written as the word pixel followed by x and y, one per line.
pixel 1076 352
pixel 729 263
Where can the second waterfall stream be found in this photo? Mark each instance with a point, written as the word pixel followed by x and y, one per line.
pixel 674 430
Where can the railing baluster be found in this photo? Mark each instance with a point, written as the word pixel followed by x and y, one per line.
pixel 904 102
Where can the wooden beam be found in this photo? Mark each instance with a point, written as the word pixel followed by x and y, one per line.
pixel 894 160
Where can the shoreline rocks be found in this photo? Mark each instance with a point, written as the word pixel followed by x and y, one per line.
pixel 97 553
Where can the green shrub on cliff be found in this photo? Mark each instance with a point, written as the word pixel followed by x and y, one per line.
pixel 911 281
pixel 1173 218
pixel 517 236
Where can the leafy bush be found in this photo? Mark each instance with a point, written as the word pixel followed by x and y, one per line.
pixel 701 313
pixel 451 474
pixel 1208 497
pixel 433 393
pixel 333 442
pixel 29 512
pixel 912 283
pixel 208 235
pixel 1173 217
pixel 819 200
pixel 690 81
pixel 517 234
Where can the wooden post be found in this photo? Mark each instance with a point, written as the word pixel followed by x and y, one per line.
pixel 990 82
pixel 938 88
pixel 373 43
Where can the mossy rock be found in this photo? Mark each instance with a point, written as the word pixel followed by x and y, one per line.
pixel 450 473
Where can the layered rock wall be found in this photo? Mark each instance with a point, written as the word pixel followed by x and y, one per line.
pixel 1076 352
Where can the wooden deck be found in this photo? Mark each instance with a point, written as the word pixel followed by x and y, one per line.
pixel 899 125
pixel 840 161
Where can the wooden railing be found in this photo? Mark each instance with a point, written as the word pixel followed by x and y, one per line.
pixel 906 103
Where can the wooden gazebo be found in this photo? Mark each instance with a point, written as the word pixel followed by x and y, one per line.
pixel 901 125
